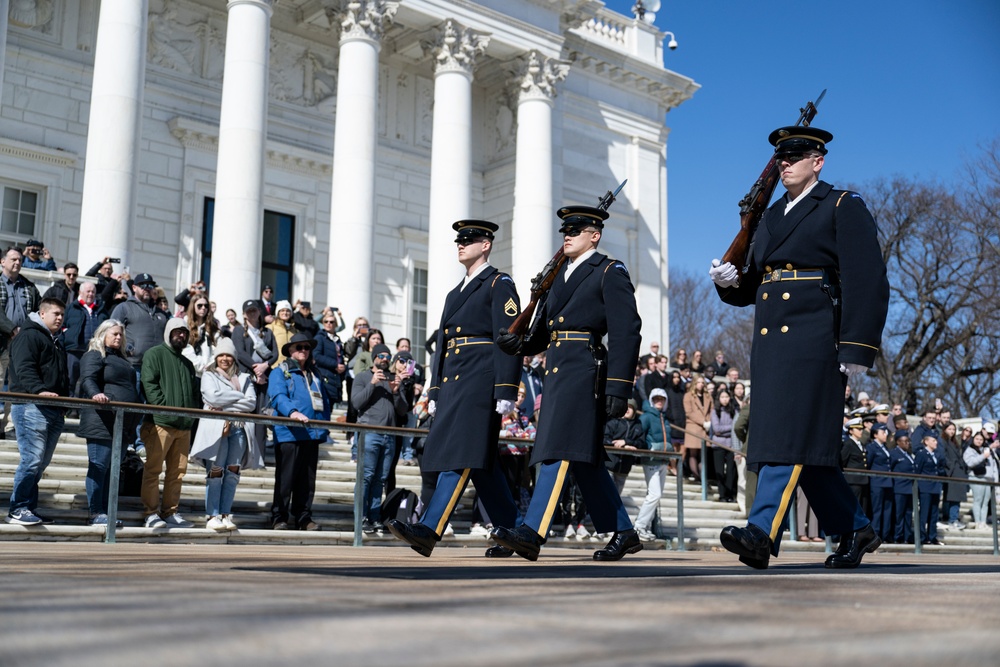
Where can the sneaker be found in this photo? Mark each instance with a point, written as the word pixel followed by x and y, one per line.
pixel 943 526
pixel 581 532
pixel 24 517
pixel 645 535
pixel 957 525
pixel 367 527
pixel 177 521
pixel 154 521
pixel 478 530
pixel 228 523
pixel 215 523
pixel 449 531
pixel 570 532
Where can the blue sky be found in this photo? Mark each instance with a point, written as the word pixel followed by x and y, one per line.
pixel 913 90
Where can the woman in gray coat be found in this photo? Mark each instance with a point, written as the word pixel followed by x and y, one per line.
pixel 105 375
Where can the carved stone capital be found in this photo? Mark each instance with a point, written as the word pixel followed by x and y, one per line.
pixel 362 19
pixel 534 76
pixel 456 48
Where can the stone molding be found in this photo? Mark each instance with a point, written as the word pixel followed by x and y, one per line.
pixel 363 19
pixel 43 154
pixel 535 76
pixel 455 48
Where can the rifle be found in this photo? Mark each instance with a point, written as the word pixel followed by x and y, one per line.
pixel 542 283
pixel 755 202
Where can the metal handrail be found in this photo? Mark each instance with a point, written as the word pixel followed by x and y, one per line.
pixel 120 408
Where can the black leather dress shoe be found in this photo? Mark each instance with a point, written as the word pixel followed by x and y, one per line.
pixel 622 542
pixel 420 538
pixel 499 551
pixel 751 544
pixel 853 546
pixel 522 540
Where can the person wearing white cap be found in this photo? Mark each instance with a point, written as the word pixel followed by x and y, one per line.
pixel 853 455
pixel 226 446
pixel 283 328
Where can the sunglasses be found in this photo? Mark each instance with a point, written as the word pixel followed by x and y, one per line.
pixel 302 348
pixel 201 305
pixel 574 231
pixel 384 356
pixel 792 158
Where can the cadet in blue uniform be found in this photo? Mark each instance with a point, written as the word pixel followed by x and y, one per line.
pixel 928 461
pixel 584 384
pixel 881 487
pixel 473 384
pixel 815 273
pixel 901 460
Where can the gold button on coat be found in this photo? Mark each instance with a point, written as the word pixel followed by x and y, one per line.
pixel 786 296
pixel 767 268
pixel 560 318
pixel 784 329
pixel 458 329
pixel 555 370
pixel 788 266
pixel 763 296
pixel 763 332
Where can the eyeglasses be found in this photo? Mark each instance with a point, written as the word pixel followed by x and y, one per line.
pixel 792 158
pixel 71 275
pixel 384 356
pixel 304 347
pixel 201 305
pixel 329 321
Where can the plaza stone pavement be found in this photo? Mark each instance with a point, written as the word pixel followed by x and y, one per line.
pixel 158 604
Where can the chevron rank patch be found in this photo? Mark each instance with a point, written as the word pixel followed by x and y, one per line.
pixel 510 308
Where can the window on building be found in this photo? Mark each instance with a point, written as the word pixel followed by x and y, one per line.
pixel 418 312
pixel 277 254
pixel 20 212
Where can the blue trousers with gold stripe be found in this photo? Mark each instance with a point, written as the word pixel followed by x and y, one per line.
pixel 598 489
pixel 827 491
pixel 494 494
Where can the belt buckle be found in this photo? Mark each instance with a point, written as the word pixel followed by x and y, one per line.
pixel 555 335
pixel 451 343
pixel 776 276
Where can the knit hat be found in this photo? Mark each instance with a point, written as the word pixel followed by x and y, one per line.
pixel 222 346
pixel 380 349
pixel 282 305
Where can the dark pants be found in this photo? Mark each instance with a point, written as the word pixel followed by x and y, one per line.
pixel 294 481
pixel 725 473
pixel 882 520
pixel 73 368
pixel 904 518
pixel 929 516
pixel 863 495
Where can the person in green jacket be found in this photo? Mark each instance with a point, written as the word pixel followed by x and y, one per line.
pixel 168 379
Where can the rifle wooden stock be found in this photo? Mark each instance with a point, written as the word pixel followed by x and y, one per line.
pixel 539 288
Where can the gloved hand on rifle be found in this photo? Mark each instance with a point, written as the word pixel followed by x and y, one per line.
pixel 850 370
pixel 509 343
pixel 615 406
pixel 724 274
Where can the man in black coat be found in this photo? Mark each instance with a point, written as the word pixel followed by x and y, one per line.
pixel 815 273
pixel 854 455
pixel 473 383
pixel 586 383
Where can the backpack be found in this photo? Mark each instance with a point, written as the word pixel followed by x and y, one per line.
pixel 401 504
pixel 130 481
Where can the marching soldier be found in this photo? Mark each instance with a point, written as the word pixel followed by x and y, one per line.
pixel 816 274
pixel 584 385
pixel 473 384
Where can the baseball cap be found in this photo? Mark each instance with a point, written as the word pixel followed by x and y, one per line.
pixel 144 280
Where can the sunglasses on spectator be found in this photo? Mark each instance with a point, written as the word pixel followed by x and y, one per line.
pixel 304 347
pixel 329 321
pixel 201 305
pixel 384 356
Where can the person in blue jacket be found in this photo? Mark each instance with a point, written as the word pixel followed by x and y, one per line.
pixel 901 460
pixel 878 459
pixel 928 461
pixel 297 390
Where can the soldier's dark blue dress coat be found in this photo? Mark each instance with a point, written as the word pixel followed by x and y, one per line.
pixel 599 300
pixel 470 374
pixel 805 328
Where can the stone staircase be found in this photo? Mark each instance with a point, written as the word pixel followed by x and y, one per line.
pixel 62 497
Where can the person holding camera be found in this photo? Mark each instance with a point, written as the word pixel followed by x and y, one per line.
pixel 380 396
pixel 473 384
pixel 37 256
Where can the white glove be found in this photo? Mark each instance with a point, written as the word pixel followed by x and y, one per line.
pixel 504 407
pixel 707 425
pixel 432 407
pixel 724 275
pixel 850 370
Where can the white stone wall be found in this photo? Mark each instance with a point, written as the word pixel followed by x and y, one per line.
pixel 607 126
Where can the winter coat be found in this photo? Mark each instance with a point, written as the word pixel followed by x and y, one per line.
pixel 288 388
pixel 696 412
pixel 169 379
pixel 218 392
pixel 113 376
pixel 37 361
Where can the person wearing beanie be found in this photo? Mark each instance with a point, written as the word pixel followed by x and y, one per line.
pixel 168 379
pixel 380 396
pixel 283 327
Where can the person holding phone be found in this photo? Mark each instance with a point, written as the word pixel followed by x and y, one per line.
pixel 473 384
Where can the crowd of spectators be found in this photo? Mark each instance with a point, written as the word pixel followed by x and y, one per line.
pixel 119 338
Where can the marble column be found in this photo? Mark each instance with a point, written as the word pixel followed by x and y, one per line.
pixel 534 226
pixel 455 51
pixel 238 225
pixel 4 11
pixel 111 169
pixel 352 208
